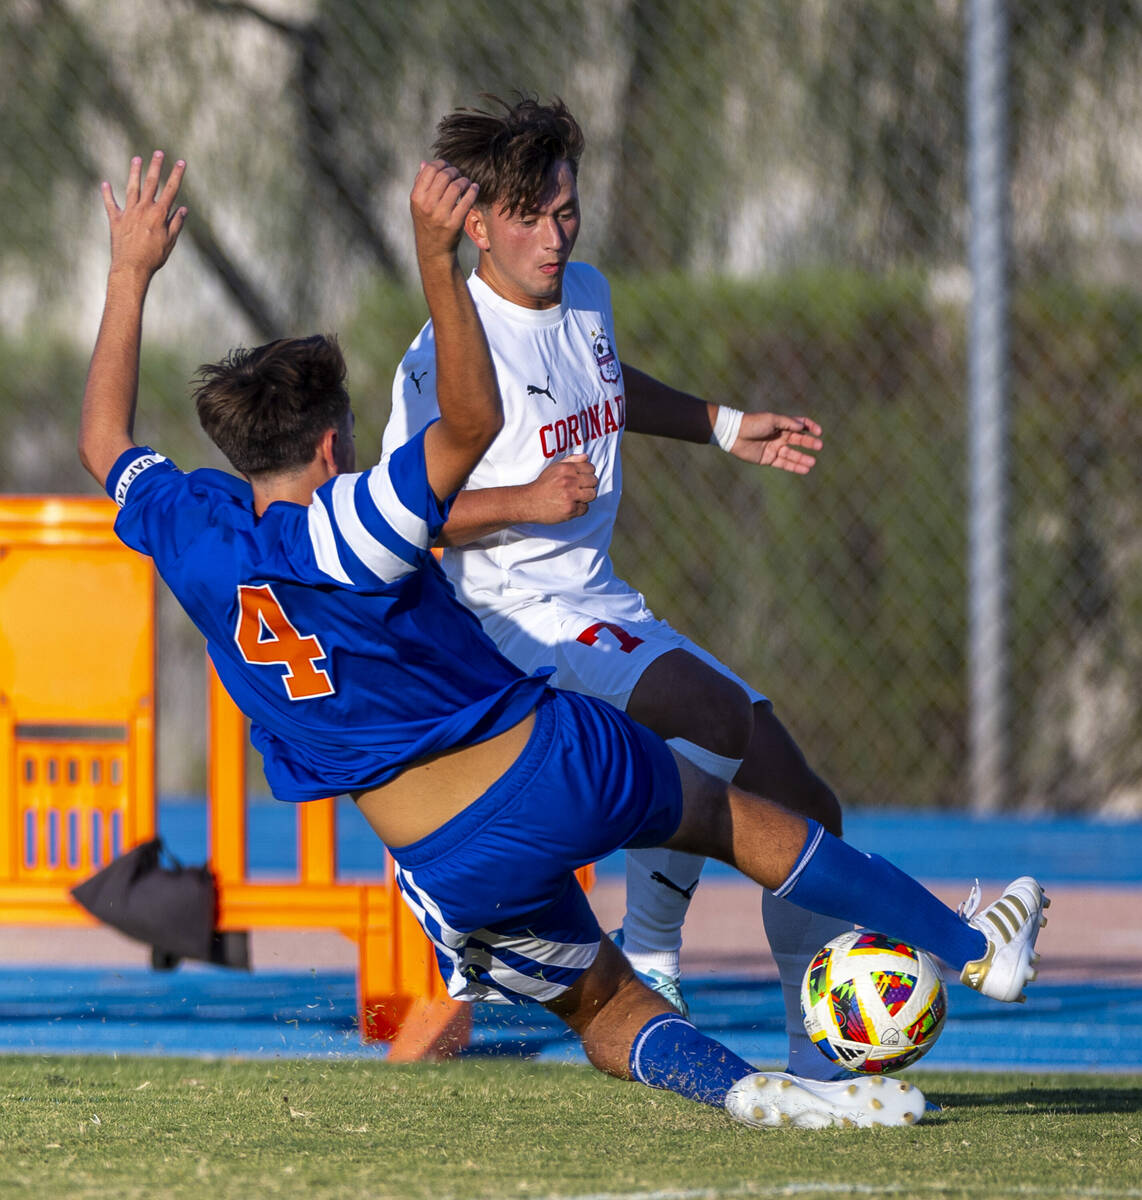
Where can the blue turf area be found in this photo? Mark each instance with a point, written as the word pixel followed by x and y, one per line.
pixel 210 1012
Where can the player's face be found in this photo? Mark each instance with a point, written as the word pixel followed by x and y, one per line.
pixel 523 255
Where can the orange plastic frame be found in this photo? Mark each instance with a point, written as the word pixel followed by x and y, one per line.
pixel 77 750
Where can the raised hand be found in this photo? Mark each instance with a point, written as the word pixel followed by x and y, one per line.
pixel 441 200
pixel 143 233
pixel 145 229
pixel 467 394
pixel 773 440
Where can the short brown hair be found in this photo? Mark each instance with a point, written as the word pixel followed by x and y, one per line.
pixel 510 154
pixel 267 409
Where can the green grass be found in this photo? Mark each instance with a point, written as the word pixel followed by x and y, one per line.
pixel 86 1127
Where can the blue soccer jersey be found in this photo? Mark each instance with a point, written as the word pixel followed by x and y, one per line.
pixel 331 625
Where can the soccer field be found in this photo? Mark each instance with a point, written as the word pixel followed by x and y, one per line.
pixel 202 1082
pixel 96 1127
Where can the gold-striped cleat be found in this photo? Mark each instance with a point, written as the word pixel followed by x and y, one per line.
pixel 776 1100
pixel 1011 924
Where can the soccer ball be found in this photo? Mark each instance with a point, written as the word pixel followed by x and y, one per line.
pixel 873 1003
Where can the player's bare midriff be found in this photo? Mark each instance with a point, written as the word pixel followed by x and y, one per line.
pixel 422 797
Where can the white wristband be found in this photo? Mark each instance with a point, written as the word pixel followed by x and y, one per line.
pixel 726 426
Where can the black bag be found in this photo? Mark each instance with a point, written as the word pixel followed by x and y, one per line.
pixel 173 908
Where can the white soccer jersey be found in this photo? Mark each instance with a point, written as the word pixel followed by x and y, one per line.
pixel 562 390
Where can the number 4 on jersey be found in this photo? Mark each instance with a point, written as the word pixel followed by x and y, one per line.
pixel 266 636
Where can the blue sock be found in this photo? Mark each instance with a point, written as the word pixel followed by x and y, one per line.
pixel 832 878
pixel 669 1053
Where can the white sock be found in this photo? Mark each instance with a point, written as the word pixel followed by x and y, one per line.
pixel 652 927
pixel 795 934
pixel 660 884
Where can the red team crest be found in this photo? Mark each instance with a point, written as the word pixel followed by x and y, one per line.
pixel 605 358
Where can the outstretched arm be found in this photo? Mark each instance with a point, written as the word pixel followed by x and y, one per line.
pixel 143 233
pixel 564 489
pixel 467 394
pixel 768 439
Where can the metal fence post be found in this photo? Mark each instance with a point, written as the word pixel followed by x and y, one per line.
pixel 988 450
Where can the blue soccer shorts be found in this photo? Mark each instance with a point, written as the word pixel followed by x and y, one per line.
pixel 494 887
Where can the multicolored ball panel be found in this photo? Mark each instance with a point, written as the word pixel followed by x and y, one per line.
pixel 872 1003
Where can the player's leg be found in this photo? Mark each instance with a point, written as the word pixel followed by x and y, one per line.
pixel 492 888
pixel 706 717
pixel 630 1032
pixel 680 696
pixel 993 951
pixel 775 767
pixel 557 955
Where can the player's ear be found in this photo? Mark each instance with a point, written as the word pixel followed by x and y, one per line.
pixel 328 452
pixel 476 227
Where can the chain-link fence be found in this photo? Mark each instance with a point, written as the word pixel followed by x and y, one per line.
pixel 778 190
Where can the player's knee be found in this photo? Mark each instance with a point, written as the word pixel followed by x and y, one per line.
pixel 680 696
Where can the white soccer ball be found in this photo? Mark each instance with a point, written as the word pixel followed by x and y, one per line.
pixel 873 1003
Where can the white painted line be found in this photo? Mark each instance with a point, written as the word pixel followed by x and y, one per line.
pixel 802 1188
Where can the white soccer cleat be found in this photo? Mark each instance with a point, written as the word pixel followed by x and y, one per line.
pixel 1011 924
pixel 840 1075
pixel 775 1100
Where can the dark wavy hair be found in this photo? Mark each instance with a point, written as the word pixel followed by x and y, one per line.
pixel 267 409
pixel 511 153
